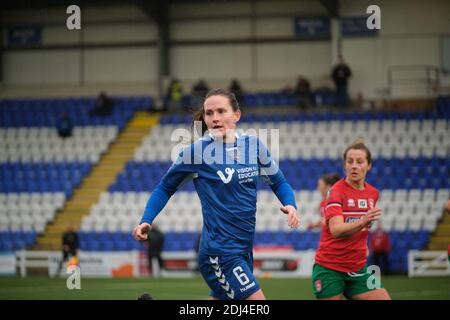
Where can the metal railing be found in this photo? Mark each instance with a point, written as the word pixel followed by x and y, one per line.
pixel 413 80
pixel 428 263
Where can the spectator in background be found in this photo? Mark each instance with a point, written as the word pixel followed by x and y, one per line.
pixel 380 246
pixel 199 91
pixel 303 93
pixel 70 247
pixel 103 105
pixel 340 75
pixel 174 97
pixel 447 209
pixel 323 185
pixel 64 126
pixel 200 88
pixel 236 88
pixel 154 249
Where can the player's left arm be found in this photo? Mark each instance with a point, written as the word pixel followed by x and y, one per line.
pixel 272 174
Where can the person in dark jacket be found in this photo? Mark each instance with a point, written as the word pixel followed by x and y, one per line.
pixel 154 249
pixel 340 75
pixel 70 247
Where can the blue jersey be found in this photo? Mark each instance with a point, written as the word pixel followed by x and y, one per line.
pixel 225 178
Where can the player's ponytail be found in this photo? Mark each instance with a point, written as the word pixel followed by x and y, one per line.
pixel 359 144
pixel 198 117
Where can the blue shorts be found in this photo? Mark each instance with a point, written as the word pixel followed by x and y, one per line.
pixel 230 277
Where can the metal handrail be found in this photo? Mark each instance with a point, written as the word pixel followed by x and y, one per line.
pixel 431 79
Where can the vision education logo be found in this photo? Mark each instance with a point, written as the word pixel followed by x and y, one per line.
pixel 229 172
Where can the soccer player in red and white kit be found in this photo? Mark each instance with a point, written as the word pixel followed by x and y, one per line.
pixel 340 266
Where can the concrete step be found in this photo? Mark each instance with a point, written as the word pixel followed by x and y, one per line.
pixel 121 156
pixel 87 196
pixel 440 240
pixel 72 211
pixel 50 243
pixel 80 205
pixel 96 178
pixel 438 246
pixel 443 229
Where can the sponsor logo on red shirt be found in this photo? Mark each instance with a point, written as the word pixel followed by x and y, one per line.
pixel 362 203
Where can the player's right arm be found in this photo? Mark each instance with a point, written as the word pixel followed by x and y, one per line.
pixel 181 171
pixel 341 229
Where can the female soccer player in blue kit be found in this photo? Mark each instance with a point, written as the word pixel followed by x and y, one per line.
pixel 224 166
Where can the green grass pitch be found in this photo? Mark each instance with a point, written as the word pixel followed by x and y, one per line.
pixel 36 287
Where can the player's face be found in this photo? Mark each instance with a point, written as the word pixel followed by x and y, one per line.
pixel 219 115
pixel 322 187
pixel 356 165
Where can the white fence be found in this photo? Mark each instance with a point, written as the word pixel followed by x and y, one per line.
pixel 428 263
pixel 31 259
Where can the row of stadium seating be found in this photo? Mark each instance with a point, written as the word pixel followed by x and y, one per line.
pixel 29 199
pixel 322 139
pixel 42 177
pixel 322 127
pixel 414 196
pixel 46 112
pixel 162 153
pixel 29 211
pixel 409 173
pixel 121 211
pixel 273 221
pixel 42 133
pixel 16 240
pixel 319 98
pixel 43 144
pixel 318 116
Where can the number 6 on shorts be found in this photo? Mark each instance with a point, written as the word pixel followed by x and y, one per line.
pixel 240 275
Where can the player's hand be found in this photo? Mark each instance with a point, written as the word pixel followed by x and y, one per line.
pixel 371 216
pixel 140 232
pixel 293 219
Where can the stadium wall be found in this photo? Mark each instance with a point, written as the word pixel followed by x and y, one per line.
pixel 408 36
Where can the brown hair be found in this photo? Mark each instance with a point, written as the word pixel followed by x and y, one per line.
pixel 330 178
pixel 200 112
pixel 358 144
